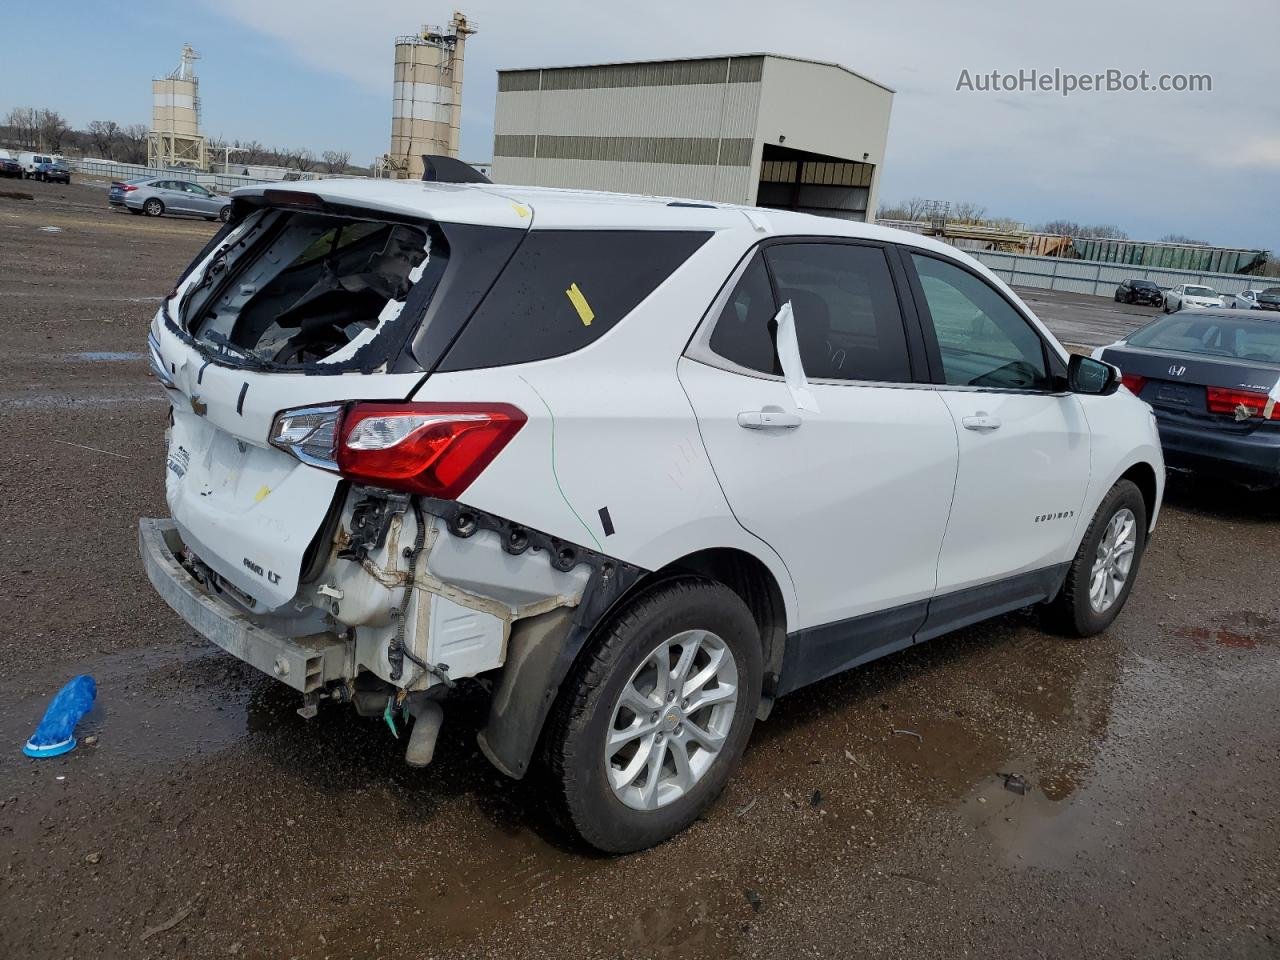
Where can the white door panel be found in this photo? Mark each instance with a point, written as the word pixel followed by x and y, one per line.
pixel 854 499
pixel 1024 469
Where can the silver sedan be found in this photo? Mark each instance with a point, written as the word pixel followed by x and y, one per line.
pixel 158 196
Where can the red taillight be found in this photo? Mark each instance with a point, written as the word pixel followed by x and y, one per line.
pixel 1133 382
pixel 435 449
pixel 1242 404
pixel 126 187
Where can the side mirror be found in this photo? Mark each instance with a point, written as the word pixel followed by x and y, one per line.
pixel 1092 377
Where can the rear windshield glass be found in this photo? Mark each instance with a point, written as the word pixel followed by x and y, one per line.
pixel 292 288
pixel 564 289
pixel 1200 292
pixel 1257 340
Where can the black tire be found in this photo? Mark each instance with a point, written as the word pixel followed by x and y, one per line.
pixel 1071 612
pixel 575 754
pixel 225 213
pixel 153 207
pixel 1118 300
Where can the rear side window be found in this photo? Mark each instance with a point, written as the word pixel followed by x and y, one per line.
pixel 564 289
pixel 846 310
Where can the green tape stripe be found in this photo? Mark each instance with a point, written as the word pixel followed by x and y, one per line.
pixel 555 476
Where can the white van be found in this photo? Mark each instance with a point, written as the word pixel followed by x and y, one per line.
pixel 29 161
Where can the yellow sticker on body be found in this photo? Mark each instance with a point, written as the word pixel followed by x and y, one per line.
pixel 261 494
pixel 521 210
pixel 580 304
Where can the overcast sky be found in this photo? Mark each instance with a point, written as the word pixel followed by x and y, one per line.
pixel 317 73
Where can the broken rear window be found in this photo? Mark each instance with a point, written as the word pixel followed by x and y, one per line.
pixel 295 288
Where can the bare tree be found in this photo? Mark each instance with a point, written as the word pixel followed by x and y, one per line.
pixel 1183 238
pixel 1069 228
pixel 53 129
pixel 133 144
pixel 335 161
pixel 103 134
pixel 24 122
pixel 966 212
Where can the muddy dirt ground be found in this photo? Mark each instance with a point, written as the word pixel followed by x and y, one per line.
pixel 871 817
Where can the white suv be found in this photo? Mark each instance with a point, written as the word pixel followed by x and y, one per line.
pixel 637 466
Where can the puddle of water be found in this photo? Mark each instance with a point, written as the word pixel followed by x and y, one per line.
pixel 106 356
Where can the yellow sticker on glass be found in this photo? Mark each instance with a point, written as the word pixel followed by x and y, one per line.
pixel 580 304
pixel 261 494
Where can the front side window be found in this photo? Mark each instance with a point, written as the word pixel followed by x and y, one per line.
pixel 847 318
pixel 983 340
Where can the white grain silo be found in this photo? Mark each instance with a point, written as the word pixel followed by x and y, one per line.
pixel 175 139
pixel 427 103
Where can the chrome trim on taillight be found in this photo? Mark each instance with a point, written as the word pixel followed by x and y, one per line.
pixel 158 369
pixel 295 439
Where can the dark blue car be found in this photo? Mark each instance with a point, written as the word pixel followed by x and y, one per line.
pixel 1213 379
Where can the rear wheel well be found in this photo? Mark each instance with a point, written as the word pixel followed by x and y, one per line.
pixel 1143 476
pixel 752 581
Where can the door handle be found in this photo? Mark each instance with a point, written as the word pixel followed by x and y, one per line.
pixel 981 421
pixel 768 420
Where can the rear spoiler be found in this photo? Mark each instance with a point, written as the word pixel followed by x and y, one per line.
pixel 442 169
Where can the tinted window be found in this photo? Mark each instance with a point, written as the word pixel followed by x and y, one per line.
pixel 564 289
pixel 846 310
pixel 744 331
pixel 984 342
pixel 1213 336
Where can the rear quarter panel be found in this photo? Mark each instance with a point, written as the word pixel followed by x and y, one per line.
pixel 611 428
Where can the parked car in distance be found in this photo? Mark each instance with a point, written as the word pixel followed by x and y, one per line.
pixel 168 196
pixel 1213 379
pixel 784 445
pixel 30 161
pixel 1256 299
pixel 10 167
pixel 1191 295
pixel 1139 291
pixel 57 171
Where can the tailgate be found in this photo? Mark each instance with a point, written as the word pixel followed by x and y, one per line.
pixel 246 509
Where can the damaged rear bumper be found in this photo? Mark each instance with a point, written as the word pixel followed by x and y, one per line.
pixel 307 664
pixel 1246 458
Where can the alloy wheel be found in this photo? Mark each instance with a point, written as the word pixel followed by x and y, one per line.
pixel 671 720
pixel 1113 560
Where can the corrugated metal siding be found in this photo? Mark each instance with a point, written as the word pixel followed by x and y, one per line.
pixel 664 74
pixel 684 150
pixel 701 111
pixel 654 135
pixel 657 179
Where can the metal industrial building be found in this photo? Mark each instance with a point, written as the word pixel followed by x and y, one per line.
pixel 758 129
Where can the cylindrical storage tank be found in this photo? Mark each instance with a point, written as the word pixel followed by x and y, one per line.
pixel 422 109
pixel 174 107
